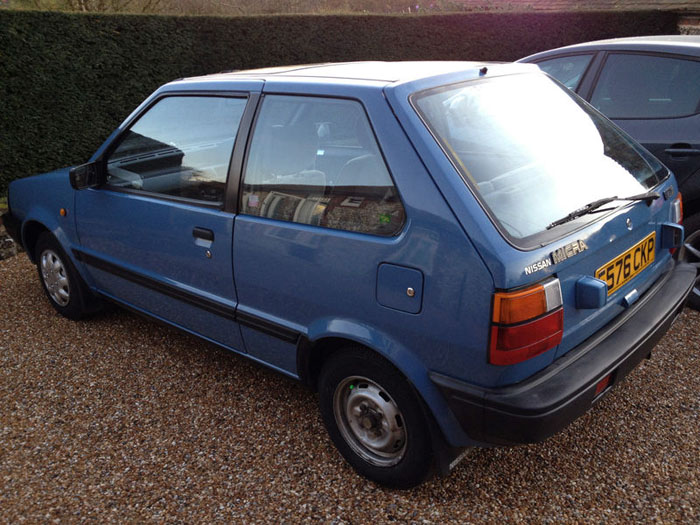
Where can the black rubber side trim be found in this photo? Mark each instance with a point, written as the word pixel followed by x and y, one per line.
pixel 166 289
pixel 265 326
pixel 215 307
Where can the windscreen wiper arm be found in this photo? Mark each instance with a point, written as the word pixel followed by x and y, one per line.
pixel 648 197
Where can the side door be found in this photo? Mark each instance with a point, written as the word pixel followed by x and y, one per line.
pixel 656 99
pixel 319 214
pixel 158 235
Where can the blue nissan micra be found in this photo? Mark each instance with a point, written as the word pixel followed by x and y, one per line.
pixel 453 254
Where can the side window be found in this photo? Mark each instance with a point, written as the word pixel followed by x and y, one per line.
pixel 315 161
pixel 646 86
pixel 568 70
pixel 180 147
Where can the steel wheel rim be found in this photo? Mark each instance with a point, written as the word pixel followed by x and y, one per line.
pixel 370 421
pixel 55 277
pixel 690 253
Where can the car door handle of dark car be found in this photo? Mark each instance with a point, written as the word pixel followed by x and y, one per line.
pixel 203 233
pixel 682 152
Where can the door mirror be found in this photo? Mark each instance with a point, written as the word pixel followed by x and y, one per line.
pixel 85 176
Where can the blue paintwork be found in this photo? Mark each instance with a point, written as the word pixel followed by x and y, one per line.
pixel 153 237
pixel 671 235
pixel 39 199
pixel 591 293
pixel 322 283
pixel 393 285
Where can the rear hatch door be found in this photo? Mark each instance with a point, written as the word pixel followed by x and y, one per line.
pixel 529 153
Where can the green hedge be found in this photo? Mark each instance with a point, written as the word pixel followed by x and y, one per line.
pixel 67 80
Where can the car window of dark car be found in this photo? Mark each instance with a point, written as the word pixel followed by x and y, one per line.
pixel 315 161
pixel 647 86
pixel 181 147
pixel 568 70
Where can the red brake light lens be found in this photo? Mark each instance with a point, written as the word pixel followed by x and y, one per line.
pixel 602 385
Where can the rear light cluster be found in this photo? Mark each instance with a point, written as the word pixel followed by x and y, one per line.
pixel 677 209
pixel 677 217
pixel 526 323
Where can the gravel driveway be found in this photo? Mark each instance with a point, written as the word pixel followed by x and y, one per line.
pixel 119 419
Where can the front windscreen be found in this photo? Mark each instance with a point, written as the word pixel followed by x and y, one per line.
pixel 532 151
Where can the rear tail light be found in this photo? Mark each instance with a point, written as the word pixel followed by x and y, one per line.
pixel 526 323
pixel 677 213
pixel 677 209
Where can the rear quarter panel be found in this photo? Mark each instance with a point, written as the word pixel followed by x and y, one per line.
pixel 507 264
pixel 324 282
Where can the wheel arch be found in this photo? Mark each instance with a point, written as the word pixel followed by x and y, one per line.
pixel 313 350
pixel 320 343
pixel 31 230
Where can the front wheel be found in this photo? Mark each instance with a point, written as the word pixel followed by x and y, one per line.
pixel 62 284
pixel 375 418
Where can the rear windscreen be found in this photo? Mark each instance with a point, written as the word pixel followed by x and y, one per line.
pixel 532 151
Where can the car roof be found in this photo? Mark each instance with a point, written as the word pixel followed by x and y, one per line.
pixel 370 71
pixel 678 44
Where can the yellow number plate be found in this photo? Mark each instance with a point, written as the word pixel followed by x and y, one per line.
pixel 624 267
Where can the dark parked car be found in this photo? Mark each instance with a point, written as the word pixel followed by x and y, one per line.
pixel 453 254
pixel 650 87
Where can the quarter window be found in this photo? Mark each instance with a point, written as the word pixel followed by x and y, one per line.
pixel 568 70
pixel 644 86
pixel 181 147
pixel 315 161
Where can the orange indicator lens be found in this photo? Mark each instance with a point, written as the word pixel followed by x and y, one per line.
pixel 515 307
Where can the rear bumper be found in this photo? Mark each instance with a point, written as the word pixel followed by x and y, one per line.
pixel 542 405
pixel 12 225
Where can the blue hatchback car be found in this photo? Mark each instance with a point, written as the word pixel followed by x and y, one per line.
pixel 453 254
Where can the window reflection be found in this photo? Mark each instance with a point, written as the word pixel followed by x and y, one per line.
pixel 315 161
pixel 180 147
pixel 532 150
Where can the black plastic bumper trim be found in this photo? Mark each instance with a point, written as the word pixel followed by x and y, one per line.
pixel 209 305
pixel 544 404
pixel 12 225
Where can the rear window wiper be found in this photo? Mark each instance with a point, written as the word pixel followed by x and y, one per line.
pixel 591 207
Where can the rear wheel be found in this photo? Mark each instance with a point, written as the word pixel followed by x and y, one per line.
pixel 691 223
pixel 375 418
pixel 691 254
pixel 62 284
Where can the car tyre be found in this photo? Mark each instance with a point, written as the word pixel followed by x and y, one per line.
pixel 375 418
pixel 691 254
pixel 691 223
pixel 64 287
